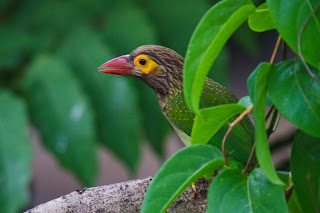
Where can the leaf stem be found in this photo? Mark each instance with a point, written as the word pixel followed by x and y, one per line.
pixel 273 122
pixel 275 50
pixel 246 169
pixel 231 126
pixel 270 111
pixel 288 192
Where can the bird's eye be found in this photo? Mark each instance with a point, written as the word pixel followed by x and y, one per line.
pixel 142 61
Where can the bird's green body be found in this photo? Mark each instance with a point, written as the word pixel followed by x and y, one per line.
pixel 161 68
pixel 239 142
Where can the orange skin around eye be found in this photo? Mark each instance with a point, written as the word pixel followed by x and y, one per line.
pixel 149 67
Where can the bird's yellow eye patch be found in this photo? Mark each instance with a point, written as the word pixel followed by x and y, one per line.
pixel 146 65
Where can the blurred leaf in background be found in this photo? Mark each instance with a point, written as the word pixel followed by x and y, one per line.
pixel 15 154
pixel 61 112
pixel 114 100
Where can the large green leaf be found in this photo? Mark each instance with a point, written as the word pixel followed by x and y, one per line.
pixel 305 161
pixel 211 120
pixel 15 154
pixel 261 20
pixel 211 34
pixel 183 168
pixel 296 95
pixel 299 18
pixel 113 98
pixel 128 27
pixel 252 81
pixel 61 112
pixel 262 145
pixel 232 191
pixel 175 20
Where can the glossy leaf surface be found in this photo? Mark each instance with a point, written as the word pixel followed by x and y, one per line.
pixel 183 168
pixel 299 19
pixel 305 161
pixel 212 32
pixel 211 120
pixel 294 92
pixel 261 139
pixel 231 191
pixel 261 20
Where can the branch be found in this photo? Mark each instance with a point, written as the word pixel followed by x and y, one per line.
pixel 231 126
pixel 122 197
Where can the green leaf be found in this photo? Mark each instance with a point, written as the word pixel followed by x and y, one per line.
pixel 183 168
pixel 15 154
pixel 299 18
pixel 155 124
pixel 252 80
pixel 232 191
pixel 305 161
pixel 261 20
pixel 262 145
pixel 128 19
pixel 294 204
pixel 62 113
pixel 245 101
pixel 211 120
pixel 285 177
pixel 211 34
pixel 296 95
pixel 114 99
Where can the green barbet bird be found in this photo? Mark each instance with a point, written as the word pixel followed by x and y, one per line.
pixel 161 68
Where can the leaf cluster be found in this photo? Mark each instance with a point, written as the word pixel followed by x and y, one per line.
pixel 291 87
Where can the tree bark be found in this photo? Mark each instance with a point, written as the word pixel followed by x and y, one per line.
pixel 122 197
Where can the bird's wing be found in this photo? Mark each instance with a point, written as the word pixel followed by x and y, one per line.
pixel 240 140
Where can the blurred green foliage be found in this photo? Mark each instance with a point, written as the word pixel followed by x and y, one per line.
pixel 49 52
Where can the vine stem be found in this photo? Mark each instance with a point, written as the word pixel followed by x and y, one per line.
pixel 275 50
pixel 273 122
pixel 231 126
pixel 253 150
pixel 288 192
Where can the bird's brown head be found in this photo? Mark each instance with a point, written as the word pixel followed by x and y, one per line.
pixel 158 66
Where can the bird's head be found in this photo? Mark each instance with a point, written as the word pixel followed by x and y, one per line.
pixel 158 66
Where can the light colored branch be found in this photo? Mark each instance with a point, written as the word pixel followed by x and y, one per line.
pixel 121 197
pixel 231 126
pixel 275 50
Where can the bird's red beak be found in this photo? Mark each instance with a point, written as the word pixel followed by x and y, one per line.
pixel 118 66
